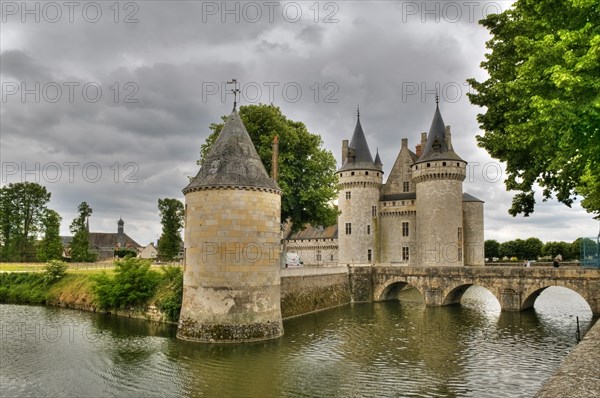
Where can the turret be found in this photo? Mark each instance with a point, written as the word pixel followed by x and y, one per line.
pixel 231 283
pixel 438 174
pixel 360 180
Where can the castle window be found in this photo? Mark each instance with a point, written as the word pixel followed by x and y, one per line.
pixel 319 256
pixel 405 229
pixel 405 253
pixel 374 211
pixel 369 255
pixel 405 186
pixel 348 194
pixel 459 254
pixel 352 173
pixel 459 234
pixel 368 230
pixel 366 173
pixel 348 228
pixel 331 257
pixel 443 163
pixel 457 164
pixel 377 174
pixel 428 164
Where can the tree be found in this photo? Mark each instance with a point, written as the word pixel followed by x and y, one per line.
pixel 50 247
pixel 513 248
pixel 80 244
pixel 491 248
pixel 542 97
pixel 171 218
pixel 306 171
pixel 532 248
pixel 553 249
pixel 22 206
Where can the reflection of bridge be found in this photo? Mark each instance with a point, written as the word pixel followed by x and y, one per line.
pixel 516 288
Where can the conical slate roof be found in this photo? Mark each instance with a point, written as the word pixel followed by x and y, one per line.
pixel 232 161
pixel 359 157
pixel 436 147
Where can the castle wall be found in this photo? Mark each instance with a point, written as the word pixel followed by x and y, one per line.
pixel 315 252
pixel 231 286
pixel 365 192
pixel 392 214
pixel 473 233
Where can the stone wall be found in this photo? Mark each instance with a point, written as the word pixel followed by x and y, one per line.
pixel 578 375
pixel 305 290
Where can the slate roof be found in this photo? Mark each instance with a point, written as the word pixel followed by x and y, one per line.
pixel 399 196
pixel 232 161
pixel 470 198
pixel 436 147
pixel 361 158
pixel 100 240
pixel 311 232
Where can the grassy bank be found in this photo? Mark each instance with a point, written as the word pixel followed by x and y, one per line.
pixel 77 289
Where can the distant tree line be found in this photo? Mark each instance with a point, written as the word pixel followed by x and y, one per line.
pixel 30 231
pixel 534 248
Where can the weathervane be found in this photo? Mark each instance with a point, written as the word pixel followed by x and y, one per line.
pixel 358 111
pixel 437 97
pixel 235 90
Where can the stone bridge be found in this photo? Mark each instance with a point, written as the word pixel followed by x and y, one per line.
pixel 516 288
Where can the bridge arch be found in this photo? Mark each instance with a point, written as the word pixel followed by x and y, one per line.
pixel 454 294
pixel 532 294
pixel 392 288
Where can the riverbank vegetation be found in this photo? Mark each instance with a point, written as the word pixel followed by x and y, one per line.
pixel 131 285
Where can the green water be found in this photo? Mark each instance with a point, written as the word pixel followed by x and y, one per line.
pixel 392 349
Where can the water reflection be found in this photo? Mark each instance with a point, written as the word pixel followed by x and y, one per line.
pixel 398 348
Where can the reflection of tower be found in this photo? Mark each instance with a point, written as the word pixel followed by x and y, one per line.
pixel 438 174
pixel 231 284
pixel 360 180
pixel 120 233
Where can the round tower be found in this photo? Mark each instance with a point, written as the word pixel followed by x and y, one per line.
pixel 360 180
pixel 231 283
pixel 438 175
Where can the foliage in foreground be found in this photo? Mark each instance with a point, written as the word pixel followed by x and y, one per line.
pixel 542 104
pixel 170 304
pixel 132 284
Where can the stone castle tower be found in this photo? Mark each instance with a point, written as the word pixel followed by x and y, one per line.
pixel 360 180
pixel 419 216
pixel 231 284
pixel 438 175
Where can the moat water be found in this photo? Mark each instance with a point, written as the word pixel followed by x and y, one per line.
pixel 392 349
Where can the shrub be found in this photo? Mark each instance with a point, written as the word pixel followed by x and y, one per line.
pixel 134 282
pixel 170 305
pixel 54 270
pixel 121 253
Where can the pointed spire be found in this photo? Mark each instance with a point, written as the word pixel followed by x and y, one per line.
pixel 378 159
pixel 437 144
pixel 359 154
pixel 357 112
pixel 232 161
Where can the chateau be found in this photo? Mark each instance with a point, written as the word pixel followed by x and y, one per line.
pixel 419 216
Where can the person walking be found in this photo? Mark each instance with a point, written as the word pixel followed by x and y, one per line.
pixel 556 262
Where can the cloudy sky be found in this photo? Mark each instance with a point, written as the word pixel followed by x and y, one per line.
pixel 108 102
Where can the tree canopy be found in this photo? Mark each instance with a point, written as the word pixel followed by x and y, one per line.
pixel 50 247
pixel 543 100
pixel 171 218
pixel 80 244
pixel 22 208
pixel 306 170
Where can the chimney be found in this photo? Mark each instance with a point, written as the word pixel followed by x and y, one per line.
pixel 275 159
pixel 404 142
pixel 423 140
pixel 448 138
pixel 418 150
pixel 344 151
